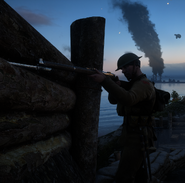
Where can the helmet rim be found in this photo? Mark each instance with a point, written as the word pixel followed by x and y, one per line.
pixel 127 62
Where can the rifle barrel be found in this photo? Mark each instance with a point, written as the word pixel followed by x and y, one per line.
pixel 77 69
pixel 36 67
pixel 68 67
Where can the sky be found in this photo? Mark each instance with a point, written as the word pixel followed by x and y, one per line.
pixel 52 18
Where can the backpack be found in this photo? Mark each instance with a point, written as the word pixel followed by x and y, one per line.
pixel 162 98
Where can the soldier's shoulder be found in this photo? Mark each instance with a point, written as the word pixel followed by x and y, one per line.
pixel 145 81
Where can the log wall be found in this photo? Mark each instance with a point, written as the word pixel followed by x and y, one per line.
pixel 48 121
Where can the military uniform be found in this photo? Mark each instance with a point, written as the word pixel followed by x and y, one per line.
pixel 135 101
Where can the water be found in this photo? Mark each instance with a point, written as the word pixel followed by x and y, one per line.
pixel 110 121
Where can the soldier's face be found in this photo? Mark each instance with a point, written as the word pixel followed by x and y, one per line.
pixel 127 71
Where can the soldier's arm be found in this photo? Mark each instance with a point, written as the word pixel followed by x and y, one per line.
pixel 123 84
pixel 112 99
pixel 139 91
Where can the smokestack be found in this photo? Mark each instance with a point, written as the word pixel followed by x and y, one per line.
pixel 143 33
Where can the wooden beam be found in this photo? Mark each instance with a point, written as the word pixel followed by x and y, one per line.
pixel 22 127
pixel 24 91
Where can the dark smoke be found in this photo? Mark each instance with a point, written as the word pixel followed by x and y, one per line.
pixel 143 33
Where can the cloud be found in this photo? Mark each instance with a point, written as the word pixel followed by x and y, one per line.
pixel 170 69
pixel 175 67
pixel 33 18
pixel 67 48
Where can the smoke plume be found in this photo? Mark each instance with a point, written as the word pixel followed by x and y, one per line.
pixel 143 33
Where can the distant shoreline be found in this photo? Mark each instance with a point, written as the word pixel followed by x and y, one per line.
pixel 168 82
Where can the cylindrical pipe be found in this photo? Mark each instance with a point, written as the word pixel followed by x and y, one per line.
pixel 87 43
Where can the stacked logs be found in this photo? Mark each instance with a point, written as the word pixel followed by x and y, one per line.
pixel 33 120
pixel 41 118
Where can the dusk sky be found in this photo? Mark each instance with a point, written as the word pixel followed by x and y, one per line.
pixel 52 18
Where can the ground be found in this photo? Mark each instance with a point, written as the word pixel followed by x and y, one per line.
pixel 176 176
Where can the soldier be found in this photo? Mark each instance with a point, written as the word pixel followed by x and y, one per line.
pixel 135 100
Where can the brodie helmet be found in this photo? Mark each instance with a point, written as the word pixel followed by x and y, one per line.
pixel 127 59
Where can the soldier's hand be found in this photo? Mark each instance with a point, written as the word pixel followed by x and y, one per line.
pixel 98 77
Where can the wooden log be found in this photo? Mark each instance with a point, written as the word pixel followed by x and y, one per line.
pixel 20 42
pixel 19 127
pixel 87 43
pixel 22 90
pixel 17 162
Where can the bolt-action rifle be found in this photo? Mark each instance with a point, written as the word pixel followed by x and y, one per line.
pixel 48 66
